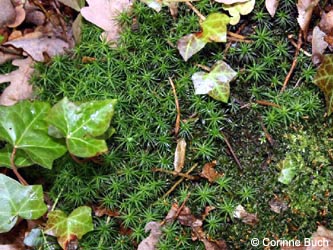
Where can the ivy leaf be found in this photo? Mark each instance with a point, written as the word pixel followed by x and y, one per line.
pixel 17 200
pixel 216 82
pixel 69 228
pixel 81 124
pixel 324 80
pixel 24 129
pixel 289 167
pixel 215 27
pixel 237 9
pixel 190 45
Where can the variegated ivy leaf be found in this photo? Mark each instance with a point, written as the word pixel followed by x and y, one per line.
pixel 190 45
pixel 216 82
pixel 17 201
pixel 214 29
pixel 237 9
pixel 289 167
pixel 324 80
pixel 69 228
pixel 82 125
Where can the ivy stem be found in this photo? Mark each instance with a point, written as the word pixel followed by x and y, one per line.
pixel 14 168
pixel 196 11
pixel 57 199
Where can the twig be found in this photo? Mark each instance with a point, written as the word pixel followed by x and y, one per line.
pixel 293 65
pixel 182 205
pixel 267 135
pixel 206 68
pixel 12 164
pixel 177 125
pixel 196 11
pixel 290 37
pixel 235 35
pixel 227 47
pixel 179 181
pixel 235 39
pixel 175 173
pixel 232 151
pixel 267 103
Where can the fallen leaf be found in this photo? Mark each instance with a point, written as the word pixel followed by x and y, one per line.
pixel 209 172
pixel 289 167
pixel 305 9
pixel 319 45
pixel 326 22
pixel 104 13
pixel 208 209
pixel 271 6
pixel 19 16
pixel 69 229
pixel 277 205
pixel 37 46
pixel 322 239
pixel 173 8
pixel 151 241
pixel 101 211
pixel 7 57
pixel 154 4
pixel 74 4
pixel 19 88
pixel 237 9
pixel 324 80
pixel 180 155
pixel 230 1
pixel 7 12
pixel 189 45
pixel 77 28
pixel 216 82
pixel 16 202
pixel 214 28
pixel 247 218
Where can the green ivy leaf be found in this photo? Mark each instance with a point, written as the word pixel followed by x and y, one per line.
pixel 324 80
pixel 216 82
pixel 23 127
pixel 68 228
pixel 289 167
pixel 19 201
pixel 81 125
pixel 237 9
pixel 215 28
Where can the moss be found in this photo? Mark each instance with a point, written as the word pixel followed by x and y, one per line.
pixel 136 73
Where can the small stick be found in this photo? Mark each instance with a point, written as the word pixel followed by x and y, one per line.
pixel 227 47
pixel 290 37
pixel 235 39
pixel 14 168
pixel 196 11
pixel 267 135
pixel 187 176
pixel 267 103
pixel 235 35
pixel 177 125
pixel 179 181
pixel 182 205
pixel 206 68
pixel 232 151
pixel 293 65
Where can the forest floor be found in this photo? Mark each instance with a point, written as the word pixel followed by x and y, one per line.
pixel 264 138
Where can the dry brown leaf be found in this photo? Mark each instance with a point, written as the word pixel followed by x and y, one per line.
pixel 247 218
pixel 180 152
pixel 208 209
pixel 173 7
pixel 305 9
pixel 230 1
pixel 209 172
pixel 322 239
pixel 171 214
pixel 74 4
pixel 151 241
pixel 104 13
pixel 277 205
pixel 271 6
pixel 7 12
pixel 37 46
pixel 19 87
pixel 19 16
pixel 7 57
pixel 326 22
pixel 101 211
pixel 319 45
